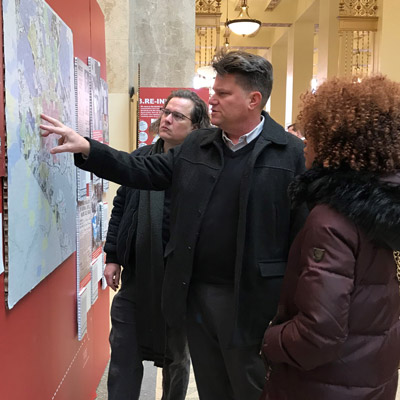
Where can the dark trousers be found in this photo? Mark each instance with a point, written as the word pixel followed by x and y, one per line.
pixel 126 365
pixel 176 367
pixel 222 372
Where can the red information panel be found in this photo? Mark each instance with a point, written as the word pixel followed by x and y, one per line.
pixel 150 102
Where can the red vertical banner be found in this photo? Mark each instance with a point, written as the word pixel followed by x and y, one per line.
pixel 150 102
pixel 2 121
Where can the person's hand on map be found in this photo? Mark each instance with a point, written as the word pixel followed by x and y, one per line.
pixel 70 141
pixel 112 273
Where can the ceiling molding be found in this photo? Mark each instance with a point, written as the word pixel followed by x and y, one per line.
pixel 208 6
pixel 272 4
pixel 269 6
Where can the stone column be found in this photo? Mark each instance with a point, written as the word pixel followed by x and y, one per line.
pixel 299 65
pixel 162 42
pixel 279 55
pixel 388 39
pixel 328 40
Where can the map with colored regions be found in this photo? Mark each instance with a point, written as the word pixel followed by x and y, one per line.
pixel 39 78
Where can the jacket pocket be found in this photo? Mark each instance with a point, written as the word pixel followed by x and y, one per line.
pixel 272 269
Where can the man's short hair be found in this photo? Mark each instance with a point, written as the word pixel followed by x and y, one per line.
pixel 252 72
pixel 199 115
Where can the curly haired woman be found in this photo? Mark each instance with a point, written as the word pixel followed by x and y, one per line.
pixel 336 335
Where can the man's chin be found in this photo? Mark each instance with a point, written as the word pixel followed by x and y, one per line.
pixel 215 120
pixel 164 135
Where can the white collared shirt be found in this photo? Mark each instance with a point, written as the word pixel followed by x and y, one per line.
pixel 244 139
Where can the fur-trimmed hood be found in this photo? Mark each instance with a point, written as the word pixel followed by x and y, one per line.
pixel 372 202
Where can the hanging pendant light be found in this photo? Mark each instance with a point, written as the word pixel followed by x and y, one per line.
pixel 227 30
pixel 243 24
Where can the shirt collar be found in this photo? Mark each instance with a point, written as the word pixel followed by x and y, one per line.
pixel 244 139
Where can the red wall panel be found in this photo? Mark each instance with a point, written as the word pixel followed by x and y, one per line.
pixel 76 14
pixel 98 36
pixel 41 357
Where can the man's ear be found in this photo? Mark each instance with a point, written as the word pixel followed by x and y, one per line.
pixel 195 126
pixel 255 100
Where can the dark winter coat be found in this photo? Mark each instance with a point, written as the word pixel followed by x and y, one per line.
pixel 134 240
pixel 266 224
pixel 337 331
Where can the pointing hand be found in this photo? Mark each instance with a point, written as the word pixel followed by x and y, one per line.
pixel 69 141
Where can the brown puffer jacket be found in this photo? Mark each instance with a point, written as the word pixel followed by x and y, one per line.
pixel 337 332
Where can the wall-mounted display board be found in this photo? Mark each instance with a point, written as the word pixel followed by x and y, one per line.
pixel 83 261
pixel 105 122
pixel 2 130
pixel 91 93
pixel 82 105
pixel 96 115
pixel 39 78
pixel 84 209
pixel 104 111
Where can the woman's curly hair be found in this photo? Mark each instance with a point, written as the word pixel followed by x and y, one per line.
pixel 354 124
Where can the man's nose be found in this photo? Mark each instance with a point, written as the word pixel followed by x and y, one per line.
pixel 169 118
pixel 212 100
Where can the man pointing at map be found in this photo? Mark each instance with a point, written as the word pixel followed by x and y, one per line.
pixel 230 222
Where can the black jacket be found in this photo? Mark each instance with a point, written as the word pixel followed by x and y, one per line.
pixel 134 240
pixel 123 222
pixel 266 224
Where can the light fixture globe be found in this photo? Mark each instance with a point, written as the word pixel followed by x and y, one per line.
pixel 243 24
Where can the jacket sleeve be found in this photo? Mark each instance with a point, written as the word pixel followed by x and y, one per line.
pixel 123 208
pixel 141 172
pixel 314 336
pixel 110 246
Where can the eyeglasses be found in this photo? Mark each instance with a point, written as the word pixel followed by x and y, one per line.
pixel 177 116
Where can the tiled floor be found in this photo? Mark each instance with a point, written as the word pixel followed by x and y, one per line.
pixel 152 381
pixel 191 394
pixel 102 388
pixel 152 377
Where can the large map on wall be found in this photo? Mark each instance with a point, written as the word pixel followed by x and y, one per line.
pixel 39 77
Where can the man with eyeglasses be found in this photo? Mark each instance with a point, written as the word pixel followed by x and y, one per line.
pixel 137 235
pixel 231 222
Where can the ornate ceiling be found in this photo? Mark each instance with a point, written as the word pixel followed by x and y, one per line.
pixel 276 16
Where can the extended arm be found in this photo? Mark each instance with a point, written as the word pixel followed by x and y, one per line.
pixel 141 172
